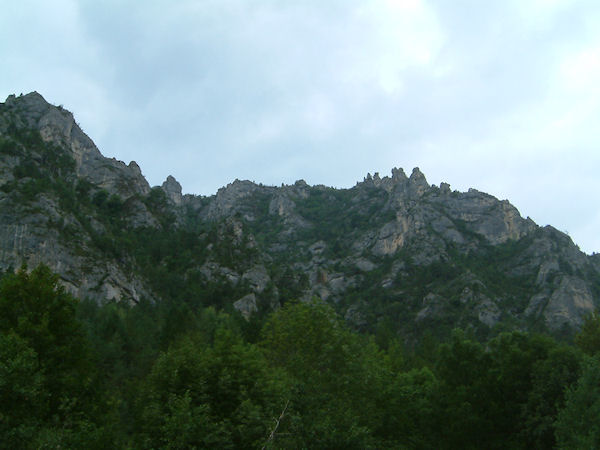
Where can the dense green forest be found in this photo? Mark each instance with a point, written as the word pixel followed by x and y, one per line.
pixel 75 374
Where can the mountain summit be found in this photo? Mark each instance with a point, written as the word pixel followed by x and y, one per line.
pixel 393 254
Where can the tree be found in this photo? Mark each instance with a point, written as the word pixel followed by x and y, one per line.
pixel 210 396
pixel 338 378
pixel 408 419
pixel 578 423
pixel 505 394
pixel 36 308
pixel 463 402
pixel 22 398
pixel 550 378
pixel 588 339
pixel 46 361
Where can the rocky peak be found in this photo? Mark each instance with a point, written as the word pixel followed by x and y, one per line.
pixel 32 101
pixel 417 182
pixel 445 188
pixel 173 189
pixel 386 183
pixel 398 233
pixel 417 176
pixel 398 175
pixel 135 168
pixel 57 125
pixel 300 188
pixel 399 183
pixel 229 200
pixel 33 105
pixel 373 180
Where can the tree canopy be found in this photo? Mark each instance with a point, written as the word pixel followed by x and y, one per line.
pixel 171 375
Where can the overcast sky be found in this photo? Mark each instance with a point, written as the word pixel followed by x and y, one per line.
pixel 499 95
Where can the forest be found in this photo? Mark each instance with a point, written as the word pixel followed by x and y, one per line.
pixel 174 375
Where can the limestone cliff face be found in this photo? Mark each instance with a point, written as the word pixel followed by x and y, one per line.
pixel 438 215
pixel 32 238
pixel 172 188
pixel 32 231
pixel 429 225
pixel 58 126
pixel 390 248
pixel 236 198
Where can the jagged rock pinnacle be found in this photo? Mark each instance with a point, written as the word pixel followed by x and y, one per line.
pixel 173 189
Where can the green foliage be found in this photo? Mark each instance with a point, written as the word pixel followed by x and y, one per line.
pixel 36 308
pixel 202 396
pixel 339 213
pixel 492 265
pixel 550 378
pixel 588 338
pixel 46 375
pixel 177 376
pixel 505 395
pixel 39 159
pixel 8 146
pixel 463 368
pixel 22 398
pixel 338 378
pixel 157 203
pixel 408 420
pixel 578 423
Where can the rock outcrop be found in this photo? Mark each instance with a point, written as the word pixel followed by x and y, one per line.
pixel 34 231
pixel 390 248
pixel 173 190
pixel 58 126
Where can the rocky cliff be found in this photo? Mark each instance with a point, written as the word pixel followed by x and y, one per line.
pixel 393 254
pixel 44 153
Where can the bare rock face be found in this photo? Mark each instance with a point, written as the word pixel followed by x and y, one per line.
pixel 257 277
pixel 548 268
pixel 283 205
pixel 34 231
pixel 388 184
pixel 139 215
pixel 31 243
pixel 433 306
pixel 365 265
pixel 232 199
pixel 497 221
pixel 393 236
pixel 454 217
pixel 58 126
pixel 488 312
pixel 246 305
pixel 417 183
pixel 173 190
pixel 569 304
pixel 564 305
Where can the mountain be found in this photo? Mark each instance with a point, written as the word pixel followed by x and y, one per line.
pixel 394 255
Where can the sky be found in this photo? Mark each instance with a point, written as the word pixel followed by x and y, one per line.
pixel 499 95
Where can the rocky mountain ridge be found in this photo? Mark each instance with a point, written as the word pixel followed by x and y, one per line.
pixel 394 254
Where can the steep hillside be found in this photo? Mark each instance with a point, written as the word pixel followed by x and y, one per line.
pixel 393 254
